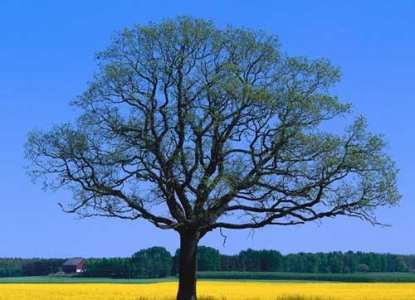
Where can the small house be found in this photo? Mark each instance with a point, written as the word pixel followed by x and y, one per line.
pixel 73 265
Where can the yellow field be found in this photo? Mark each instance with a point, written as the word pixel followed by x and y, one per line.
pixel 219 290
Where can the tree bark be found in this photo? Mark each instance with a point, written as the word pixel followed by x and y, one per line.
pixel 189 239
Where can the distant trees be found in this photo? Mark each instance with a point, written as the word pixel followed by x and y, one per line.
pixel 230 262
pixel 261 261
pixel 348 262
pixel 335 262
pixel 10 267
pixel 115 267
pixel 155 262
pixel 208 259
pixel 13 267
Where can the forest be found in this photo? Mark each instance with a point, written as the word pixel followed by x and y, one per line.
pixel 157 262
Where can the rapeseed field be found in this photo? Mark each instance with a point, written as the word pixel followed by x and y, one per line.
pixel 211 291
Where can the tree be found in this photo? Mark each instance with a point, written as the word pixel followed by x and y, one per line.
pixel 250 260
pixel 195 128
pixel 154 262
pixel 335 260
pixel 351 262
pixel 271 261
pixel 364 268
pixel 208 259
pixel 230 263
pixel 115 267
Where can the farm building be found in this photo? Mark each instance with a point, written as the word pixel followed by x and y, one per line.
pixel 73 265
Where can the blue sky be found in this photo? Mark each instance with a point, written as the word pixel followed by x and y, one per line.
pixel 46 59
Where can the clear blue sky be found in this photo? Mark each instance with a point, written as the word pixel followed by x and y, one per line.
pixel 46 59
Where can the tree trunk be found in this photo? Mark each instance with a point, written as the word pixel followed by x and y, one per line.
pixel 187 265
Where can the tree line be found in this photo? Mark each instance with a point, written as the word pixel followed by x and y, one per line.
pixel 157 262
pixel 16 267
pixel 332 262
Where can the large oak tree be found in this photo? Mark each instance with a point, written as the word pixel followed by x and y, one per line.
pixel 195 128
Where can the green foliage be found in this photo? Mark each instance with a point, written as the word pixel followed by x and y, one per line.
pixel 154 262
pixel 208 259
pixel 10 267
pixel 195 128
pixel 83 279
pixel 364 268
pixel 332 262
pixel 14 267
pixel 286 276
pixel 230 262
pixel 231 276
pixel 216 124
pixel 263 260
pixel 114 267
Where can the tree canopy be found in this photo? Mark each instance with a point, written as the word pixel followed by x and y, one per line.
pixel 196 128
pixel 154 262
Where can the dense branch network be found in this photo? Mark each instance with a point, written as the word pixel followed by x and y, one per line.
pixel 189 126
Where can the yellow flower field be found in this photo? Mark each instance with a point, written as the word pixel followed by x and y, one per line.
pixel 219 290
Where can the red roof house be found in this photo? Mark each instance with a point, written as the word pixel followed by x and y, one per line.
pixel 73 265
